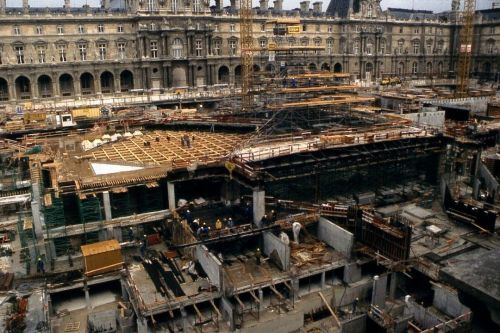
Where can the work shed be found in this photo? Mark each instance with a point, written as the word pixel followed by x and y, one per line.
pixel 102 257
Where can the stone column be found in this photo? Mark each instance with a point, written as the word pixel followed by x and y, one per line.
pixel 97 83
pixel 34 88
pixel 378 291
pixel 171 196
pixel 259 205
pixel 55 87
pixel 12 88
pixel 117 83
pixel 76 85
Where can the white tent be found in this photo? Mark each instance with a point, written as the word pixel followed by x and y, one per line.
pixel 86 145
pixel 137 133
pixel 97 142
pixel 128 135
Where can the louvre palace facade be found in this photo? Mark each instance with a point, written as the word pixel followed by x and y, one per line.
pixel 127 46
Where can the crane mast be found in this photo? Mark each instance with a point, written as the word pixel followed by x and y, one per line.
pixel 246 42
pixel 465 47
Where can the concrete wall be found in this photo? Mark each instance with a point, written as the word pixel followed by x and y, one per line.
pixel 354 325
pixel 430 118
pixel 335 236
pixel 446 300
pixel 424 318
pixel 211 265
pixel 289 322
pixel 489 180
pixel 273 243
pixel 476 104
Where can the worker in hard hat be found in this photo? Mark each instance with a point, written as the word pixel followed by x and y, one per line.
pixel 218 224
pixel 40 266
pixel 230 223
pixel 257 256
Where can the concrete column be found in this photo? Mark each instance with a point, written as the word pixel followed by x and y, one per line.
pixel 171 196
pixel 124 291
pixel 142 326
pixel 228 312
pixel 323 280
pixel 259 205
pixel 185 322
pixel 378 291
pixel 117 234
pixel 97 83
pixel 295 288
pixel 394 284
pixel 36 211
pixel 107 205
pixel 87 295
pixel 352 273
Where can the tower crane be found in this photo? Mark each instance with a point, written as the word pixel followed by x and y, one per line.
pixel 465 47
pixel 246 42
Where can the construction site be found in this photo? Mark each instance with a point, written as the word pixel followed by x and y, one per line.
pixel 304 201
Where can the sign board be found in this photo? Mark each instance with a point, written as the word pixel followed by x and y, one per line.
pixel 293 29
pixel 272 56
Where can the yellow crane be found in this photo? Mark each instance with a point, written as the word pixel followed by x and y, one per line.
pixel 465 47
pixel 246 42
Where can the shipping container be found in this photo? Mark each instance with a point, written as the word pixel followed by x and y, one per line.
pixel 102 257
pixel 34 117
pixel 86 113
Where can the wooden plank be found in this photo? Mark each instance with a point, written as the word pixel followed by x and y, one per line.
pixel 257 300
pixel 200 315
pixel 280 296
pixel 216 309
pixel 239 301
pixel 337 321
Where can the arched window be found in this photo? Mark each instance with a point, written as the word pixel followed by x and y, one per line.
pixel 414 68
pixel 177 48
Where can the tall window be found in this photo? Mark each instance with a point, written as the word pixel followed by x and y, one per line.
pixel 196 6
pixel 400 46
pixel 428 47
pixel 370 11
pixel 382 46
pixel 198 47
pixel 100 27
pixel 177 48
pixel 102 51
pixel 121 50
pixel 19 54
pixel 414 68
pixel 40 50
pixel 154 49
pixel 263 27
pixel 60 29
pixel 62 53
pixel 440 45
pixel 232 28
pixel 17 30
pixel 440 31
pixel 216 27
pixel 151 5
pixel 490 47
pixel 318 28
pixel 217 47
pixel 232 47
pixel 329 46
pixel 369 48
pixel 330 28
pixel 174 6
pixel 416 47
pixel 119 28
pixel 416 30
pixel 39 30
pixel 82 50
pixel 355 48
pixel 262 43
pixel 81 29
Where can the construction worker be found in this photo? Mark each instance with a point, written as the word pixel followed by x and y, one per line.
pixel 40 266
pixel 354 305
pixel 144 245
pixel 257 256
pixel 230 223
pixel 274 216
pixel 196 225
pixel 264 222
pixel 189 217
pixel 218 225
pixel 130 234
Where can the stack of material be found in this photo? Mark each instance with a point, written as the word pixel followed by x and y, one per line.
pixel 6 280
pixel 307 254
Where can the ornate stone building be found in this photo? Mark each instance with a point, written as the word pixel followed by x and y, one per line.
pixel 135 45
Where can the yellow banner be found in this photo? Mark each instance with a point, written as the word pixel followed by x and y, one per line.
pixel 294 29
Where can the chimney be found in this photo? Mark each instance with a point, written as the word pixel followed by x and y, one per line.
pixel 304 6
pixel 278 5
pixel 264 4
pixel 26 7
pixel 455 5
pixel 3 4
pixel 106 4
pixel 219 5
pixel 235 4
pixel 67 5
pixel 317 7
